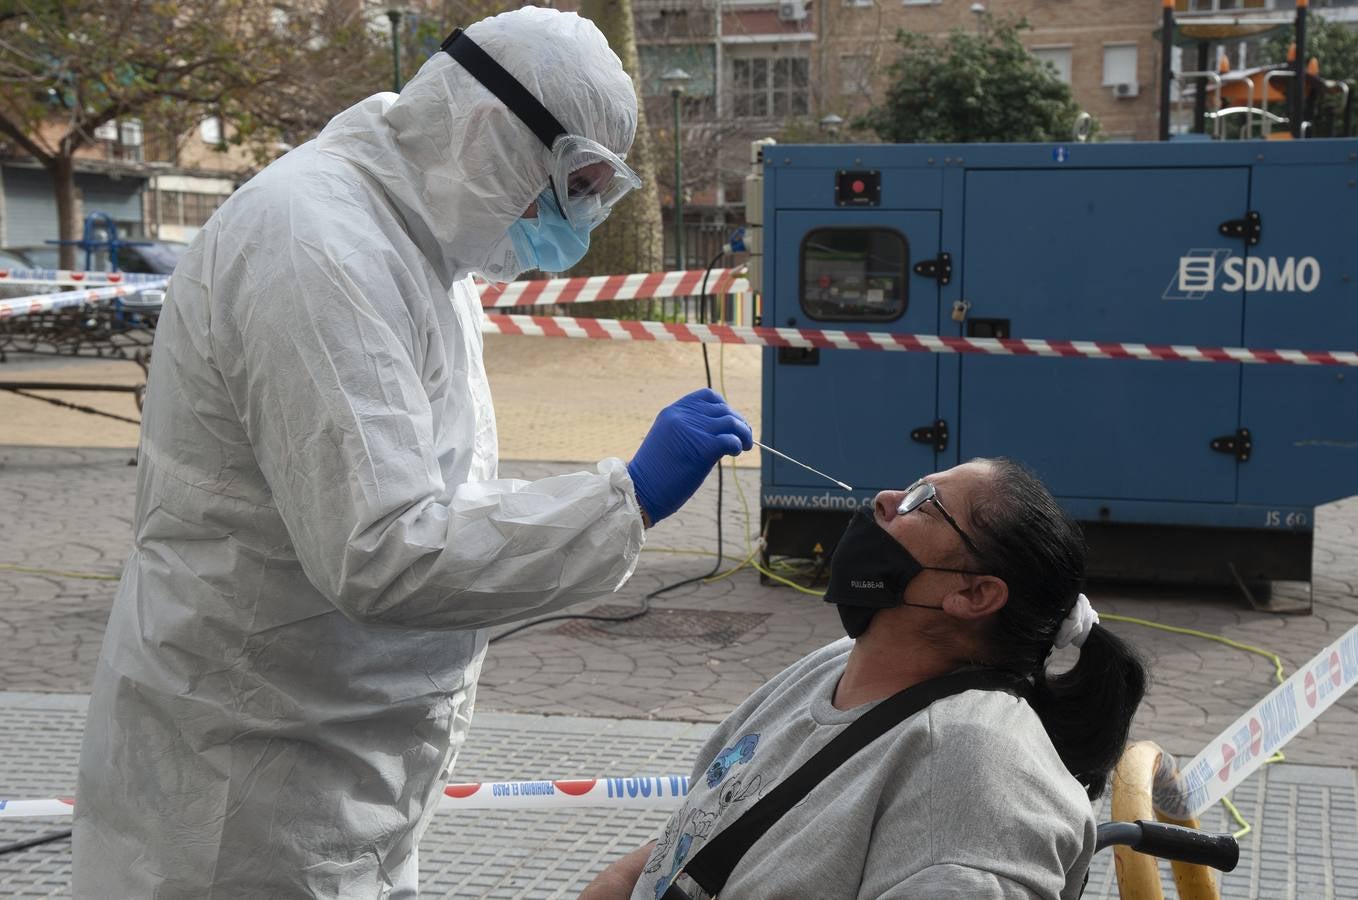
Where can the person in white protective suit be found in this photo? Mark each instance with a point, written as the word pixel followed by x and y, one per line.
pixel 291 660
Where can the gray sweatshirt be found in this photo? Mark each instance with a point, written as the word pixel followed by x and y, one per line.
pixel 966 799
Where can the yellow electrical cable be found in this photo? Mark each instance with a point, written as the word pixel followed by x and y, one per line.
pixel 733 570
pixel 1176 629
pixel 677 550
pixel 1245 827
pixel 735 476
pixel 792 584
pixel 33 570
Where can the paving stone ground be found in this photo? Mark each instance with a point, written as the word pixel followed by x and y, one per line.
pixel 67 511
pixel 1303 845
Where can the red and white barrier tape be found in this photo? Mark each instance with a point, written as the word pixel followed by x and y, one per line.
pixel 640 792
pixel 1255 736
pixel 667 284
pixel 36 809
pixel 618 330
pixel 72 277
pixel 644 286
pixel 41 303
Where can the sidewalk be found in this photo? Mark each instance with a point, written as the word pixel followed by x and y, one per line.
pixel 554 398
pixel 577 698
pixel 1303 845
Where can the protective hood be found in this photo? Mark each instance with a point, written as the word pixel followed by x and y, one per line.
pixel 456 163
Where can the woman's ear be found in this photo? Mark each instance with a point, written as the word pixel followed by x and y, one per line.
pixel 984 596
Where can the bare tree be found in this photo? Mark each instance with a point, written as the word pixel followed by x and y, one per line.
pixel 270 71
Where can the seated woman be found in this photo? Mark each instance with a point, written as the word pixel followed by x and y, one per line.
pixel 981 794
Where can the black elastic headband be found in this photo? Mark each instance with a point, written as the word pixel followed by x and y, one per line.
pixel 499 82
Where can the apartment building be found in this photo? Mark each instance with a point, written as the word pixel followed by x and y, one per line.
pixel 803 70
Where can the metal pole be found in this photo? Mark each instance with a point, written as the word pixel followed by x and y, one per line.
pixel 1166 63
pixel 1299 71
pixel 395 16
pixel 1200 96
pixel 678 187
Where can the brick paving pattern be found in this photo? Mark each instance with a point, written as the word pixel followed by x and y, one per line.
pixel 1303 844
pixel 69 510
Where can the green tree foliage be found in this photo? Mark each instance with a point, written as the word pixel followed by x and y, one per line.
pixel 1334 46
pixel 967 87
pixel 273 72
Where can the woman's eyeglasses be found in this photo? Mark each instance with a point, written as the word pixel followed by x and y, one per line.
pixel 922 492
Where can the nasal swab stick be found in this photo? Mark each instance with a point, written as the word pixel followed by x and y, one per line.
pixel 797 462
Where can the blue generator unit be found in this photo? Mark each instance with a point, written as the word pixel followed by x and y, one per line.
pixel 1203 472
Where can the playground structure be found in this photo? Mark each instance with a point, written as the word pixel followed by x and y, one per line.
pixel 1247 95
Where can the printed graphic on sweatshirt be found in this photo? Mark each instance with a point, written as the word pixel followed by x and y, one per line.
pixel 687 830
pixel 742 751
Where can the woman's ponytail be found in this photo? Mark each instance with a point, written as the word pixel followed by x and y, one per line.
pixel 1026 539
pixel 1087 710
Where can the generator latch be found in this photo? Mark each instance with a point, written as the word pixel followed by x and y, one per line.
pixel 858 187
pixel 1237 445
pixel 940 268
pixel 936 434
pixel 1251 228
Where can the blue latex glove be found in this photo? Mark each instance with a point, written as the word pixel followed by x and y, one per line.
pixel 688 438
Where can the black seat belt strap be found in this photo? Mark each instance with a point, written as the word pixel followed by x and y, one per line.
pixel 712 865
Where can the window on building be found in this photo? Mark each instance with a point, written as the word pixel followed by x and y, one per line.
pixel 188 208
pixel 769 85
pixel 1119 64
pixel 855 73
pixel 698 60
pixel 1209 6
pixel 1056 57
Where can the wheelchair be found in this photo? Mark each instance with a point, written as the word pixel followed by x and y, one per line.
pixel 1141 834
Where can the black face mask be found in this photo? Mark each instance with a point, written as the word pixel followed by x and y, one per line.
pixel 869 571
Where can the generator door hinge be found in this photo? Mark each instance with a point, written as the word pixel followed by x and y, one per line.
pixel 1251 228
pixel 940 267
pixel 936 434
pixel 1237 445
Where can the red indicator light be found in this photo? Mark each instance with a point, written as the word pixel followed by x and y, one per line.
pixel 858 186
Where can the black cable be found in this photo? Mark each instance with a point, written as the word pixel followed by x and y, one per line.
pixel 34 841
pixel 75 406
pixel 646 600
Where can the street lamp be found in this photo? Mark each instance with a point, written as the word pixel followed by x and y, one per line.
pixel 831 123
pixel 395 16
pixel 676 78
pixel 979 10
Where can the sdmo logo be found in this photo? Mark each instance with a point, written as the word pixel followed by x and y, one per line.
pixel 1204 271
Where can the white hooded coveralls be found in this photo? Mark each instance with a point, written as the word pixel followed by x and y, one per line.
pixel 291 660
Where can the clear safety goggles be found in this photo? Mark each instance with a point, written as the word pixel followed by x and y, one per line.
pixel 587 178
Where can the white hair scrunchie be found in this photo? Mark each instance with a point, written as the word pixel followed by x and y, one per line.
pixel 1077 624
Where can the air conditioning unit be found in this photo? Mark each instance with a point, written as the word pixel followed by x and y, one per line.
pixel 106 132
pixel 1126 89
pixel 792 10
pixel 129 131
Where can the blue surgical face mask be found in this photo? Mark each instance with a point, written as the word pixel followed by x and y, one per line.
pixel 548 242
